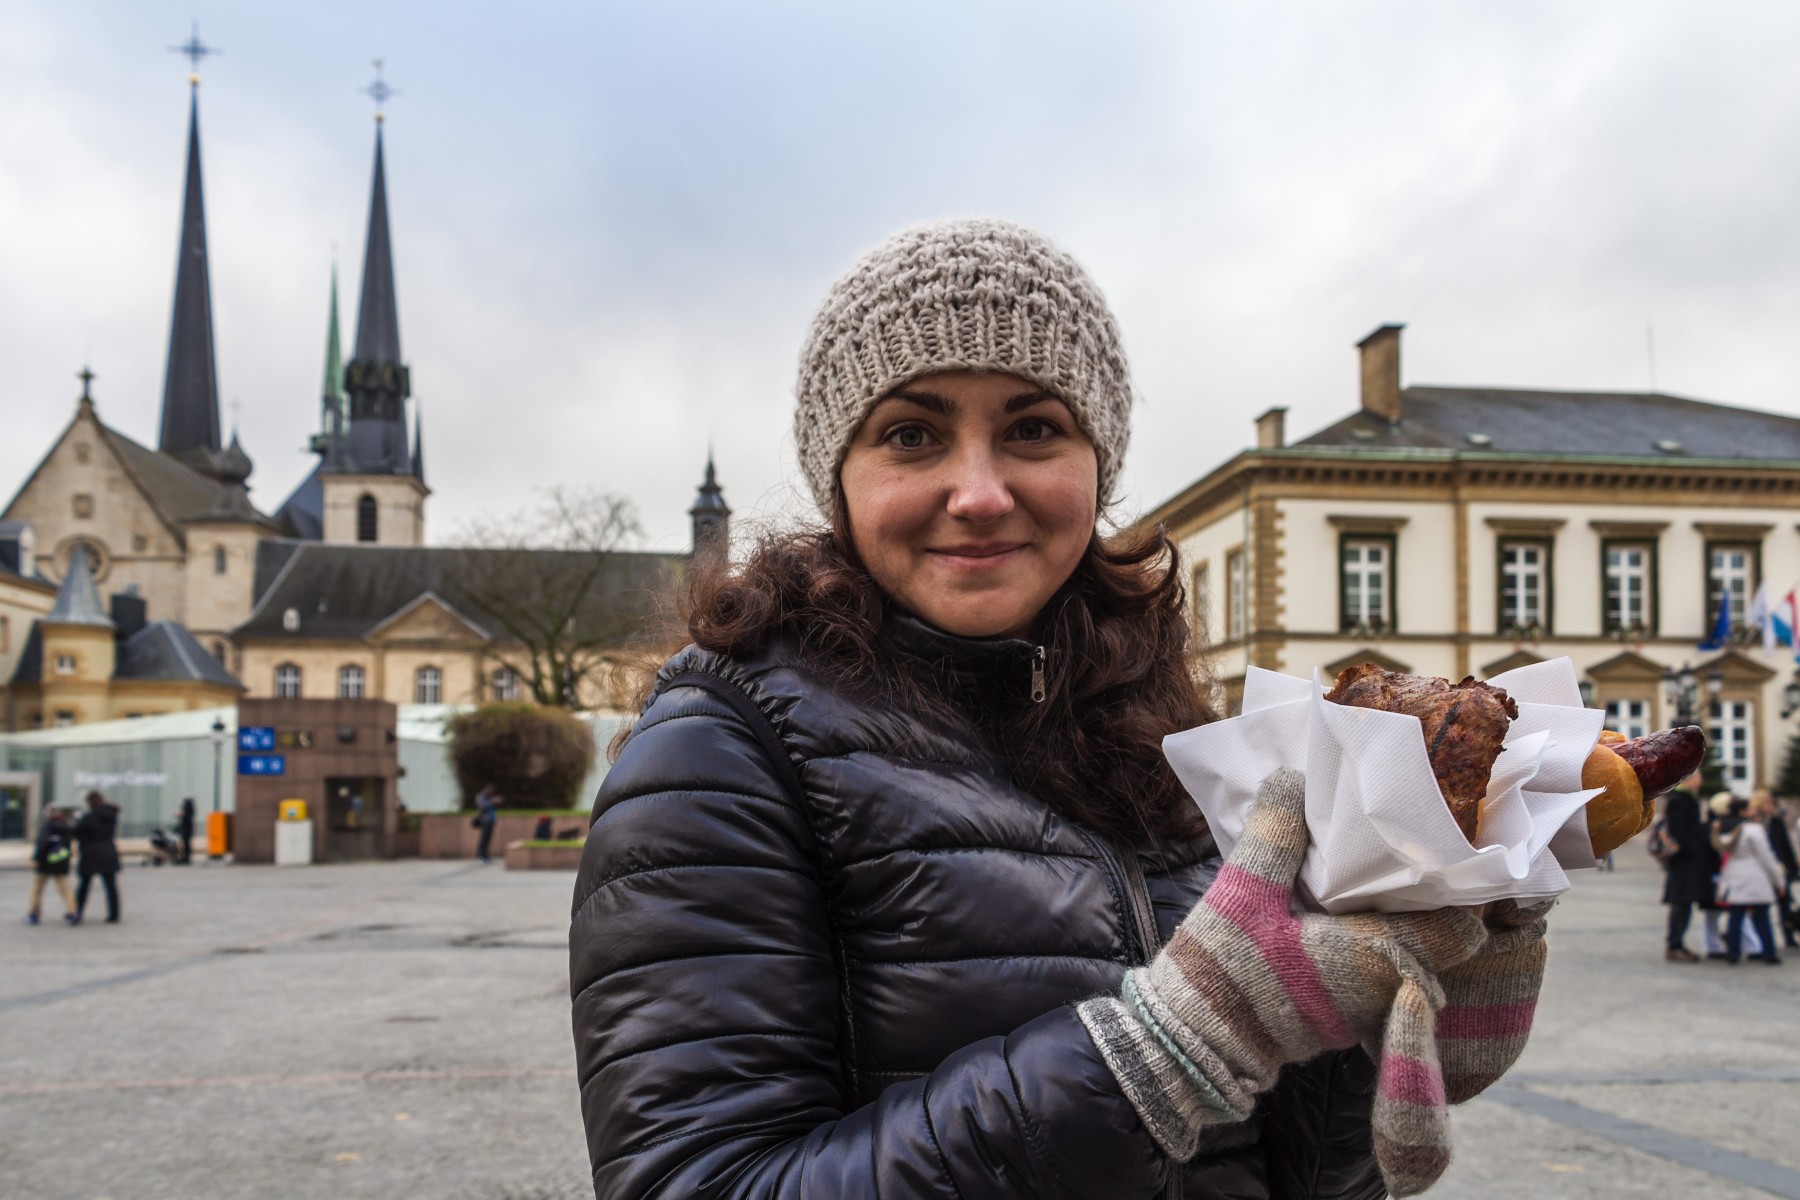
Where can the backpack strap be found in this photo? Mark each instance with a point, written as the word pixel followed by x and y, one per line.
pixel 757 721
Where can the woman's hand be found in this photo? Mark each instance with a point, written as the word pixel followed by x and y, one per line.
pixel 1490 1000
pixel 1248 985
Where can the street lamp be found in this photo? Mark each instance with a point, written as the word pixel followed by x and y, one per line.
pixel 1683 697
pixel 1790 696
pixel 1587 693
pixel 218 741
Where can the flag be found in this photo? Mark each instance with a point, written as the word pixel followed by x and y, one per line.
pixel 1721 631
pixel 1761 616
pixel 1791 606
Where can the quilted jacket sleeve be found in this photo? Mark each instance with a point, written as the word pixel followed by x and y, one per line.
pixel 1316 1135
pixel 707 1020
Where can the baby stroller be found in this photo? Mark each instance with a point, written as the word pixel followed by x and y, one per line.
pixel 165 847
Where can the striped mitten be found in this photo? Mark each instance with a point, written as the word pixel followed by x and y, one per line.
pixel 1490 1000
pixel 1246 985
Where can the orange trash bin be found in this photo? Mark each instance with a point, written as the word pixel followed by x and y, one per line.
pixel 218 834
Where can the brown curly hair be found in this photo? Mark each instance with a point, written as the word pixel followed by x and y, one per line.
pixel 1120 673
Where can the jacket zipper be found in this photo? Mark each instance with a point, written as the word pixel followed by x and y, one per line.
pixel 1123 864
pixel 1037 674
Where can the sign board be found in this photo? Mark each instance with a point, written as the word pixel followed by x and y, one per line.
pixel 256 737
pixel 262 764
pixel 293 739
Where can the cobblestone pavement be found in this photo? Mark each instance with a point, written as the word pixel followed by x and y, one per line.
pixel 400 1030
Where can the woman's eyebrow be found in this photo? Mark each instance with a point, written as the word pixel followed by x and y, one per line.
pixel 926 400
pixel 1025 400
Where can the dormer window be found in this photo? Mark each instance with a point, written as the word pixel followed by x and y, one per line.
pixel 290 621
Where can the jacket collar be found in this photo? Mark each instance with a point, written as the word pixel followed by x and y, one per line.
pixel 988 661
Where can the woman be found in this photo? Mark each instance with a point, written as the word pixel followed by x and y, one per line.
pixel 95 831
pixel 902 806
pixel 50 856
pixel 1751 880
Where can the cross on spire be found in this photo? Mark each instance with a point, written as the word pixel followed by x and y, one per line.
pixel 195 50
pixel 87 377
pixel 380 92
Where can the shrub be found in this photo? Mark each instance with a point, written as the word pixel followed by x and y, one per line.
pixel 536 757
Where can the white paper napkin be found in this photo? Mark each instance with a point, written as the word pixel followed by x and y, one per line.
pixel 1382 836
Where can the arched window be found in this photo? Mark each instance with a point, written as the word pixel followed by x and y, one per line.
pixel 287 682
pixel 428 686
pixel 218 560
pixel 350 683
pixel 506 684
pixel 219 652
pixel 365 518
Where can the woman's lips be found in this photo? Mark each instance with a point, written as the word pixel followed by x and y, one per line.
pixel 977 557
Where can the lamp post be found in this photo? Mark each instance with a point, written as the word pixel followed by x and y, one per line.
pixel 1683 691
pixel 218 741
pixel 1790 696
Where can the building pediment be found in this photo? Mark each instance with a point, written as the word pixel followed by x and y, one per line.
pixel 1739 670
pixel 428 618
pixel 1512 662
pixel 1628 667
pixel 1366 655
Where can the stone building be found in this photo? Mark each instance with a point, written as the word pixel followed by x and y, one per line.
pixel 1467 530
pixel 172 529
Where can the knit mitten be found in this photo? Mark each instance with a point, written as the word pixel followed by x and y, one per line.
pixel 1246 985
pixel 1490 1000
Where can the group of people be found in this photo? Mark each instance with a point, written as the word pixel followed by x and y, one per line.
pixel 1733 860
pixel 88 843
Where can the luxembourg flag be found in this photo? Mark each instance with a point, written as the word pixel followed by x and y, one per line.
pixel 1767 617
pixel 1784 629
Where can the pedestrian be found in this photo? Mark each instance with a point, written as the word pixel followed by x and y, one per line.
pixel 544 830
pixel 184 829
pixel 50 856
pixel 95 831
pixel 1687 874
pixel 1712 909
pixel 1764 808
pixel 487 814
pixel 1749 883
pixel 858 901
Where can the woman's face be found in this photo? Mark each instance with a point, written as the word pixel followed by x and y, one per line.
pixel 972 495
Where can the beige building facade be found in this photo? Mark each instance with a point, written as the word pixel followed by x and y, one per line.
pixel 1465 531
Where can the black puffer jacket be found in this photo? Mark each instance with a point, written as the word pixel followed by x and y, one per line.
pixel 821 949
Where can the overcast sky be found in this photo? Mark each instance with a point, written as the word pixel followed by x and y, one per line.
pixel 612 221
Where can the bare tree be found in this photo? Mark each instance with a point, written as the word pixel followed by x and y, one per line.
pixel 552 581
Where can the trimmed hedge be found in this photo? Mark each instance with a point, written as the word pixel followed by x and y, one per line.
pixel 536 757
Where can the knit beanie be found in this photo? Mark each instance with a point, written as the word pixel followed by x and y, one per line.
pixel 970 294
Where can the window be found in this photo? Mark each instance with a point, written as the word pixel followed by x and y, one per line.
pixel 219 653
pixel 1367 578
pixel 287 682
pixel 1734 740
pixel 350 683
pixel 1524 576
pixel 139 543
pixel 1237 595
pixel 65 664
pixel 64 719
pixel 365 518
pixel 1629 717
pixel 290 620
pixel 1199 596
pixel 428 686
pixel 1629 571
pixel 218 560
pixel 506 684
pixel 84 505
pixel 1731 570
pixel 83 452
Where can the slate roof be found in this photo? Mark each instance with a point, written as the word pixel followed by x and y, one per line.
pixel 178 491
pixel 78 600
pixel 303 512
pixel 1601 424
pixel 161 650
pixel 344 591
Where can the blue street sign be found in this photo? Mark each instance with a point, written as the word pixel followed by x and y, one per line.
pixel 256 737
pixel 262 764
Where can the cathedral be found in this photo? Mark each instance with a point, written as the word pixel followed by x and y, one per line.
pixel 332 594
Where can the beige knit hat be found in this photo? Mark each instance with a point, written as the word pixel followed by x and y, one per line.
pixel 971 294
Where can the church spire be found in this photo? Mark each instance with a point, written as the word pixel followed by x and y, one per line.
pixel 711 516
pixel 378 316
pixel 190 407
pixel 331 392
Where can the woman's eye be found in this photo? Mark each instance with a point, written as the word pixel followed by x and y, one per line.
pixel 1034 430
pixel 908 437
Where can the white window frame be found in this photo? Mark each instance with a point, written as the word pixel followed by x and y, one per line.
pixel 505 684
pixel 288 680
pixel 1633 579
pixel 1237 594
pixel 1733 736
pixel 1731 568
pixel 428 686
pixel 1525 571
pixel 352 682
pixel 66 664
pixel 1360 561
pixel 1629 715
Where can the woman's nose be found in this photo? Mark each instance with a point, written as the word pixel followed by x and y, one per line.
pixel 979 492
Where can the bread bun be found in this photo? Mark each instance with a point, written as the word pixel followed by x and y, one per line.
pixel 1620 812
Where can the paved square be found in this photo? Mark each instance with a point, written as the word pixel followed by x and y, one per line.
pixel 400 1030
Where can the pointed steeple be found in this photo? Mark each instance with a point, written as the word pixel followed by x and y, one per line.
pixel 378 316
pixel 190 408
pixel 332 402
pixel 711 516
pixel 78 600
pixel 418 445
pixel 376 381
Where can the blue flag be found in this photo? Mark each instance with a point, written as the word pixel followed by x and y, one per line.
pixel 1721 632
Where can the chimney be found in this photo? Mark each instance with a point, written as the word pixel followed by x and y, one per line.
pixel 1271 429
pixel 1381 373
pixel 129 613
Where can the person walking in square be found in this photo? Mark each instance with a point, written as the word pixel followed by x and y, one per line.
pixel 50 856
pixel 487 815
pixel 1687 876
pixel 184 829
pixel 96 832
pixel 1763 808
pixel 1750 881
